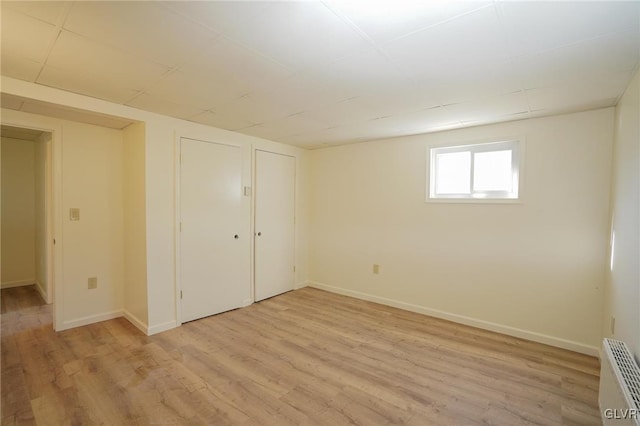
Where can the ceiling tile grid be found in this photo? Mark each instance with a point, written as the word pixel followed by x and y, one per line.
pixel 312 73
pixel 141 28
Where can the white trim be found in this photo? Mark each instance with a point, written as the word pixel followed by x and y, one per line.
pixel 42 292
pixel 159 328
pixel 136 322
pixel 303 284
pixel 18 283
pixel 91 319
pixel 177 164
pixel 515 144
pixel 55 273
pixel 461 319
pixel 252 226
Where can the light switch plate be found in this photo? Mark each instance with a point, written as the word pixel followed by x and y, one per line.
pixel 92 283
pixel 74 214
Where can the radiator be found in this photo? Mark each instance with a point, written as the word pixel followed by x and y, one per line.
pixel 619 396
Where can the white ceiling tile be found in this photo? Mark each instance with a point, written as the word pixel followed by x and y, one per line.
pixel 383 21
pixel 222 120
pixel 272 130
pixel 85 84
pixel 308 71
pixel 472 40
pixel 199 88
pixel 259 108
pixel 464 84
pixel 163 106
pixel 406 97
pixel 304 93
pixel 154 33
pixel 218 15
pixel 293 125
pixel 365 130
pixel 361 73
pixel 579 94
pixel 47 11
pixel 612 53
pixel 21 68
pixel 225 57
pixel 299 34
pixel 90 61
pixel 25 36
pixel 341 113
pixel 534 27
pixel 422 121
pixel 490 109
pixel 305 139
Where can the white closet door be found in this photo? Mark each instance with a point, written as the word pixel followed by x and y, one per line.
pixel 214 251
pixel 274 224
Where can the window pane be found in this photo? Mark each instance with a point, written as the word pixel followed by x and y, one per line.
pixel 492 171
pixel 453 173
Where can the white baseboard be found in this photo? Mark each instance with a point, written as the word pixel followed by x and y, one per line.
pixel 159 328
pixel 303 284
pixel 91 319
pixel 140 325
pixel 18 283
pixel 42 292
pixel 461 319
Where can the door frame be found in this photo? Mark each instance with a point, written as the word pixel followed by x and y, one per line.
pixel 177 213
pixel 53 212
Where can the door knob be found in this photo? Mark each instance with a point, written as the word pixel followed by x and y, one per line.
pixel 259 233
pixel 236 236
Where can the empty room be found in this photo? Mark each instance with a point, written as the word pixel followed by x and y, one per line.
pixel 320 212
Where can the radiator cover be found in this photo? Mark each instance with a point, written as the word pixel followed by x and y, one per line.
pixel 619 395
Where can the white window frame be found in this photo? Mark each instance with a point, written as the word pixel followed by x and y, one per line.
pixel 515 145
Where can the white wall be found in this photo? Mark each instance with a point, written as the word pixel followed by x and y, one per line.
pixel 161 133
pixel 135 235
pixel 533 269
pixel 18 212
pixel 623 282
pixel 92 180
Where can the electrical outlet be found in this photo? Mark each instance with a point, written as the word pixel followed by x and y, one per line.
pixel 92 283
pixel 376 268
pixel 613 325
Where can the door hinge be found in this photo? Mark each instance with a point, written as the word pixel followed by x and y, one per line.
pixel 180 294
pixel 180 226
pixel 294 268
pixel 54 241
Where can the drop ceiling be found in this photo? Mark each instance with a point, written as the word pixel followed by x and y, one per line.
pixel 315 73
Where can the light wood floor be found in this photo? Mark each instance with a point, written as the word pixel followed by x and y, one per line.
pixel 305 357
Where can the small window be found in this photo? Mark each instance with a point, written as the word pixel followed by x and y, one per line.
pixel 486 171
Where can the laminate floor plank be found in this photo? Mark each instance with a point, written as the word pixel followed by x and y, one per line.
pixel 307 357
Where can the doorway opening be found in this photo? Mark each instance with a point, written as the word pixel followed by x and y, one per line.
pixel 26 225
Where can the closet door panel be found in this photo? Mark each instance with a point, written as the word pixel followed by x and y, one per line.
pixel 274 224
